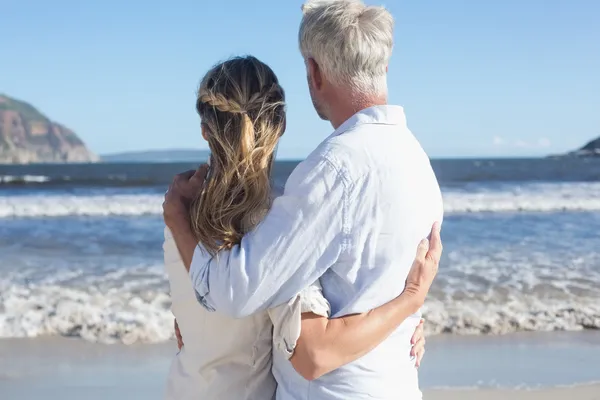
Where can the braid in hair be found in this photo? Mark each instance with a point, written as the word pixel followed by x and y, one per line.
pixel 242 109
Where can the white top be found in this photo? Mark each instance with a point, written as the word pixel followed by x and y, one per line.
pixel 225 358
pixel 352 215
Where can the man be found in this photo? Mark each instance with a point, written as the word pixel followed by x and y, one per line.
pixel 351 214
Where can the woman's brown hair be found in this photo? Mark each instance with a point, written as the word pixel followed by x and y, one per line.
pixel 242 109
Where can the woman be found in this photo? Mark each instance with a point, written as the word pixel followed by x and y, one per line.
pixel 242 109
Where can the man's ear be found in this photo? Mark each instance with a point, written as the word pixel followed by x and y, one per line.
pixel 386 69
pixel 314 74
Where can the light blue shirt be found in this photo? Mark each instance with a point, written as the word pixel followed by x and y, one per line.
pixel 352 214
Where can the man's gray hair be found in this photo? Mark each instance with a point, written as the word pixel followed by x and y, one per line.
pixel 351 42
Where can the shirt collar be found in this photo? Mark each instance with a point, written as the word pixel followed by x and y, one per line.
pixel 385 114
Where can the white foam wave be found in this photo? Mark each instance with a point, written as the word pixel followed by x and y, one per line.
pixel 545 197
pixel 474 316
pixel 539 197
pixel 87 205
pixel 118 315
pixel 113 316
pixel 24 178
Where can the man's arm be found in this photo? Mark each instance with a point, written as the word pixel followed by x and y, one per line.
pixel 327 344
pixel 302 236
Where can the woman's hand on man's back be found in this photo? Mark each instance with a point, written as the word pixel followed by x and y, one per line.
pixel 424 267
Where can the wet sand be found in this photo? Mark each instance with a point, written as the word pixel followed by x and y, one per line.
pixel 525 366
pixel 587 392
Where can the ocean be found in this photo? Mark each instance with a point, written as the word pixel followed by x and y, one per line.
pixel 81 256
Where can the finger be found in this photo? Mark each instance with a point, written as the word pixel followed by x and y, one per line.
pixel 417 347
pixel 435 241
pixel 176 328
pixel 419 332
pixel 422 249
pixel 178 336
pixel 420 356
pixel 185 176
pixel 197 180
pixel 169 190
pixel 200 173
pixel 196 183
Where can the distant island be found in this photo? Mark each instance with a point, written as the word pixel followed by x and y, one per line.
pixel 28 136
pixel 591 149
pixel 150 156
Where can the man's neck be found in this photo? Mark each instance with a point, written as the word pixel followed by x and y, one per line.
pixel 345 108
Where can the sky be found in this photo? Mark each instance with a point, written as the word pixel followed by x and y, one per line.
pixel 476 78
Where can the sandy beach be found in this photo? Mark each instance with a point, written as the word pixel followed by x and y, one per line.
pixel 524 366
pixel 588 392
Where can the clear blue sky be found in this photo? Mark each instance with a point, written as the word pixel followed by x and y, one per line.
pixel 476 78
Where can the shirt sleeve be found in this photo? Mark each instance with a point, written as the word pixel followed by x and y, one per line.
pixel 301 237
pixel 169 248
pixel 287 317
pixel 179 282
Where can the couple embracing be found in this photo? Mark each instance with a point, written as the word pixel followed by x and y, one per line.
pixel 315 294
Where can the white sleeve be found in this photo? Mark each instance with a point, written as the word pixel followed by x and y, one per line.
pixel 287 318
pixel 181 289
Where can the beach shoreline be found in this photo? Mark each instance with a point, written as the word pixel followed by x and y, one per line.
pixel 578 392
pixel 528 366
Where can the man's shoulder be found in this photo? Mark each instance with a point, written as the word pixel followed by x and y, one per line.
pixel 333 158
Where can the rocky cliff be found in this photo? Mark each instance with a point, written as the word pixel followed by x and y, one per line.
pixel 590 149
pixel 28 136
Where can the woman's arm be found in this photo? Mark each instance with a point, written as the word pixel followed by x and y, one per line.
pixel 326 344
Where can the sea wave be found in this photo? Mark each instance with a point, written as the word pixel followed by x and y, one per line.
pixel 116 180
pixel 60 205
pixel 105 317
pixel 536 197
pixel 542 197
pixel 123 316
pixel 23 179
pixel 473 316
